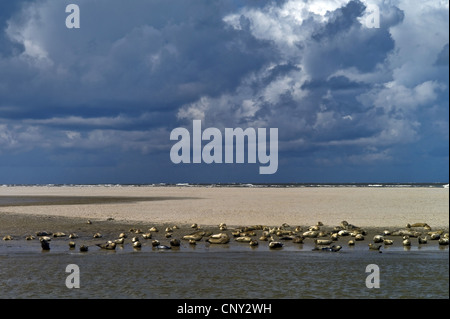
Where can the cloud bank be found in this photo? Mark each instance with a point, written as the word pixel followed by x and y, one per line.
pixel 97 104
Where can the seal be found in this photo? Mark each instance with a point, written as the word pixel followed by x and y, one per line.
pixel 243 239
pixel 422 240
pixel 8 237
pixel 253 243
pixel 29 237
pixel 137 244
pixel 323 241
pixel 175 242
pixel 44 233
pixel 45 245
pixel 71 244
pixel 374 247
pixel 221 238
pixel 123 235
pixel 311 234
pixel 97 235
pixel 108 246
pixel 388 242
pixel 378 239
pixel 332 248
pixel 406 241
pixel 443 241
pixel 359 237
pixel 147 235
pixel 195 236
pixel 59 234
pixel 275 244
pixel 120 241
pixel 155 243
pixel 84 248
pixel 73 236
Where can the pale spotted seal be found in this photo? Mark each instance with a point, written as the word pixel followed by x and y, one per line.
pixel 378 239
pixel 221 238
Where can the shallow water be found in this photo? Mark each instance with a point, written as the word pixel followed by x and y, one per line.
pixel 222 271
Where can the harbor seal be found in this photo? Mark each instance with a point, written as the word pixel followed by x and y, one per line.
pixel 221 238
pixel 59 234
pixel 8 237
pixel 45 245
pixel 243 239
pixel 374 247
pixel 275 244
pixel 378 239
pixel 422 240
pixel 323 241
pixel 253 243
pixel 332 248
pixel 175 242
pixel 137 244
pixel 108 245
pixel 120 241
pixel 84 248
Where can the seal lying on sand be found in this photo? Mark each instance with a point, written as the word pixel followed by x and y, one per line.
pixel 332 248
pixel 221 238
pixel 198 235
pixel 374 247
pixel 109 245
pixel 275 244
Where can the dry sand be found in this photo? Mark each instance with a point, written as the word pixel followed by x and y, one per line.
pixel 361 206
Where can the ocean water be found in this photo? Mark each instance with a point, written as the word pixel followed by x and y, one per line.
pixel 223 271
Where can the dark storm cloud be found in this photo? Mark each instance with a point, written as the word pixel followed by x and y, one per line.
pixel 343 95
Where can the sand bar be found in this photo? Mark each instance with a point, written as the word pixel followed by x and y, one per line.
pixel 361 206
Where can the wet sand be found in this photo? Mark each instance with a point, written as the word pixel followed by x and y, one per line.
pixel 208 206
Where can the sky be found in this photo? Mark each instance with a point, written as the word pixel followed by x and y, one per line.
pixel 352 103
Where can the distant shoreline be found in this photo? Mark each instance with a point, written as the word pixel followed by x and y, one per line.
pixel 361 206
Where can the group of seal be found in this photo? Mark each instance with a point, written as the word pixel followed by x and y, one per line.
pixel 324 238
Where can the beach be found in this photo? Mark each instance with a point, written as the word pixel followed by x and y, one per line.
pixel 239 206
pixel 235 269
